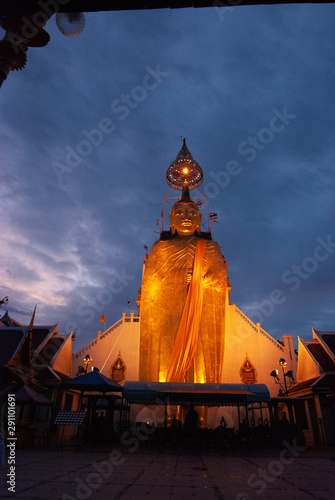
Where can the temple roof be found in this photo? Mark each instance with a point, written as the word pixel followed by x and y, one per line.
pixel 302 386
pixel 24 7
pixel 327 339
pixel 325 384
pixel 10 340
pixel 322 350
pixel 321 356
pixel 6 320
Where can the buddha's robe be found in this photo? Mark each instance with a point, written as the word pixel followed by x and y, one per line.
pixel 165 286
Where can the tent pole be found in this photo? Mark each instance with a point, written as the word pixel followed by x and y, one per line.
pixel 165 414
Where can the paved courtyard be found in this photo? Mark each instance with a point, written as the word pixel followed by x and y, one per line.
pixel 285 473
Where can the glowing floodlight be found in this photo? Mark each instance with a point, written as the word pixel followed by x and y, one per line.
pixel 87 360
pixel 274 374
pixel 80 371
pixel 70 24
pixel 289 374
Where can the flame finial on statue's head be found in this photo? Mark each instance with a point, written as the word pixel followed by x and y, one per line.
pixel 185 194
pixel 184 170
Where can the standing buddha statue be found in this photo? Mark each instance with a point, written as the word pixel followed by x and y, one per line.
pixel 183 293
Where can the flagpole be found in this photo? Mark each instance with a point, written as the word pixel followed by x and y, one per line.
pixel 209 225
pixel 103 320
pixel 145 260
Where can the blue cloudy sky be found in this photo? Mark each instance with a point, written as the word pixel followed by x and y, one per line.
pixel 90 126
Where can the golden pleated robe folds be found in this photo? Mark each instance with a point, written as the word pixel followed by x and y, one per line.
pixel 170 337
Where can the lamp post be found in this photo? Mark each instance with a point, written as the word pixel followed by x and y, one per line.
pixel 87 360
pixel 283 365
pixel 286 374
pixel 4 301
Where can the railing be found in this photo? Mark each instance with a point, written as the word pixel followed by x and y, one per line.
pixel 258 328
pixel 124 319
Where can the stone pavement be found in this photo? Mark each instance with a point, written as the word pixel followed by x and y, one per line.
pixel 289 473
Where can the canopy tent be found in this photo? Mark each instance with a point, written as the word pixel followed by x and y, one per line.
pixel 173 393
pixel 95 382
pixel 92 382
pixel 27 396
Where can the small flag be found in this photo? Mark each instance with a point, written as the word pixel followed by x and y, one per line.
pixel 162 213
pixel 73 336
pixel 213 216
pixel 128 303
pixel 145 248
pixel 157 222
pixel 199 203
pixel 103 318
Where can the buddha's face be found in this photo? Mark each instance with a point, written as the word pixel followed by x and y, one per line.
pixel 185 218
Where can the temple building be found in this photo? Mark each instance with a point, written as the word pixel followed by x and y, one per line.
pixel 316 387
pixel 42 356
pixel 187 331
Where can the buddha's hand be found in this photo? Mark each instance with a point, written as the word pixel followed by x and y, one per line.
pixel 209 279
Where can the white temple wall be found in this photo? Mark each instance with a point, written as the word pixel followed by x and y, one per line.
pixel 124 337
pixel 244 338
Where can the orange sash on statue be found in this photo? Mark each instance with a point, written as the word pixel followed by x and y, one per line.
pixel 186 340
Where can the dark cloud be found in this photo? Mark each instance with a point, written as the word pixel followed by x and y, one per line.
pixel 74 220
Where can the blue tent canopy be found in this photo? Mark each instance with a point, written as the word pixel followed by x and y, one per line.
pixel 172 393
pixel 92 381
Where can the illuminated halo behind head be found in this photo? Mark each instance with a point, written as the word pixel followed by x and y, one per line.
pixel 184 169
pixel 70 23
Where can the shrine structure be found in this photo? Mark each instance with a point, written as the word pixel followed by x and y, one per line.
pixel 187 335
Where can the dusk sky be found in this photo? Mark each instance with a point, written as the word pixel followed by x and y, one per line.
pixel 90 126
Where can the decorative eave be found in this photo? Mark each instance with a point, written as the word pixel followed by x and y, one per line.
pixel 304 344
pixel 319 336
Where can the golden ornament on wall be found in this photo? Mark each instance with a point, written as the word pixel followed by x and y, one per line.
pixel 248 372
pixel 118 370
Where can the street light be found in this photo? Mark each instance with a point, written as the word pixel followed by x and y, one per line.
pixel 80 371
pixel 87 360
pixel 286 374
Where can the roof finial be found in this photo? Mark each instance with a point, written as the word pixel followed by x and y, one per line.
pixel 184 169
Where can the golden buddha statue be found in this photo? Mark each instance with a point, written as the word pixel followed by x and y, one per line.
pixel 183 296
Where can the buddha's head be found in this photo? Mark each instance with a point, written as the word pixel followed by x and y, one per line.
pixel 185 217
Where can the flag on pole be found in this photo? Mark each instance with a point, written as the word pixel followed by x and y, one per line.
pixel 162 213
pixel 213 216
pixel 145 248
pixel 128 303
pixel 73 336
pixel 103 318
pixel 199 203
pixel 157 222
